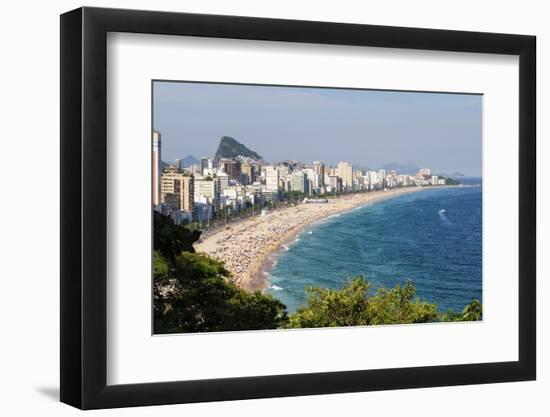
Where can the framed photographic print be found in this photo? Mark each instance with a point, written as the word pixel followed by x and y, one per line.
pixel 258 207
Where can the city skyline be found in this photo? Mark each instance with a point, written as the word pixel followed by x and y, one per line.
pixel 368 128
pixel 280 197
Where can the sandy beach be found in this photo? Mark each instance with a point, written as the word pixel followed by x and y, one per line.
pixel 244 246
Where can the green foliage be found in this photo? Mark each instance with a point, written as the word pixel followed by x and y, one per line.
pixel 472 312
pixel 451 181
pixel 254 311
pixel 295 196
pixel 353 305
pixel 194 293
pixel 170 240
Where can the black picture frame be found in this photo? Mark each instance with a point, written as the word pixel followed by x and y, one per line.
pixel 84 207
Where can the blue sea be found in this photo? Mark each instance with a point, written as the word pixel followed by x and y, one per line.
pixel 432 237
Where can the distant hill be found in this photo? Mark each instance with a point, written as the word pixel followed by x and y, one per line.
pixel 453 175
pixel 188 161
pixel 409 168
pixel 231 148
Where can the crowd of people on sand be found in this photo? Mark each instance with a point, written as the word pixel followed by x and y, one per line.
pixel 243 246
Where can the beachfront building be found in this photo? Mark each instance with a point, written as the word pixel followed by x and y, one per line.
pixel 157 167
pixel 271 176
pixel 382 178
pixel 319 169
pixel 176 215
pixel 373 180
pixel 202 209
pixel 313 181
pixel 359 182
pixel 345 172
pixel 424 172
pixel 434 180
pixel 177 189
pixel 334 184
pixel 270 197
pixel 299 182
pixel 206 187
pixel 405 180
pixel 231 195
pixel 284 176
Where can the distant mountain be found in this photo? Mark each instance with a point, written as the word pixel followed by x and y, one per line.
pixel 453 175
pixel 361 167
pixel 231 148
pixel 409 168
pixel 188 161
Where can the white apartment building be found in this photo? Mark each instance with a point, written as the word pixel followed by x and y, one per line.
pixel 206 187
pixel 271 178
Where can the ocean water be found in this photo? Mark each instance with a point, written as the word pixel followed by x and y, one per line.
pixel 433 237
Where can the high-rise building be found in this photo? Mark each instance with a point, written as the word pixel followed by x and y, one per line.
pixel 319 169
pixel 345 172
pixel 223 181
pixel 283 170
pixel 374 181
pixel 232 168
pixel 425 172
pixel 313 181
pixel 177 189
pixel 206 187
pixel 335 183
pixel 247 173
pixel 271 179
pixel 206 163
pixel 157 167
pixel 382 177
pixel 299 182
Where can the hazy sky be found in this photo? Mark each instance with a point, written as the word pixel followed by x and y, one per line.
pixel 367 128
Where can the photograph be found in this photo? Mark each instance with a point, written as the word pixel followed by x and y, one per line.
pixel 286 207
pixel 245 208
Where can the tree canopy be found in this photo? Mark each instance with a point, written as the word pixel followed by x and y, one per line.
pixel 169 239
pixel 194 293
pixel 354 305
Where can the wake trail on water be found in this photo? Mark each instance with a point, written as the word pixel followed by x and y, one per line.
pixel 443 215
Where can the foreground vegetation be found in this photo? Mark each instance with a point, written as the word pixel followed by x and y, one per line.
pixel 359 304
pixel 195 293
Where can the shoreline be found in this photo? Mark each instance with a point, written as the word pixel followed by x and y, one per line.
pixel 246 246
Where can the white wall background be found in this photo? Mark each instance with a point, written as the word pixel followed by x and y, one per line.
pixel 29 213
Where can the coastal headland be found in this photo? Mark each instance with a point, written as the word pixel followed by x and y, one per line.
pixel 246 245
